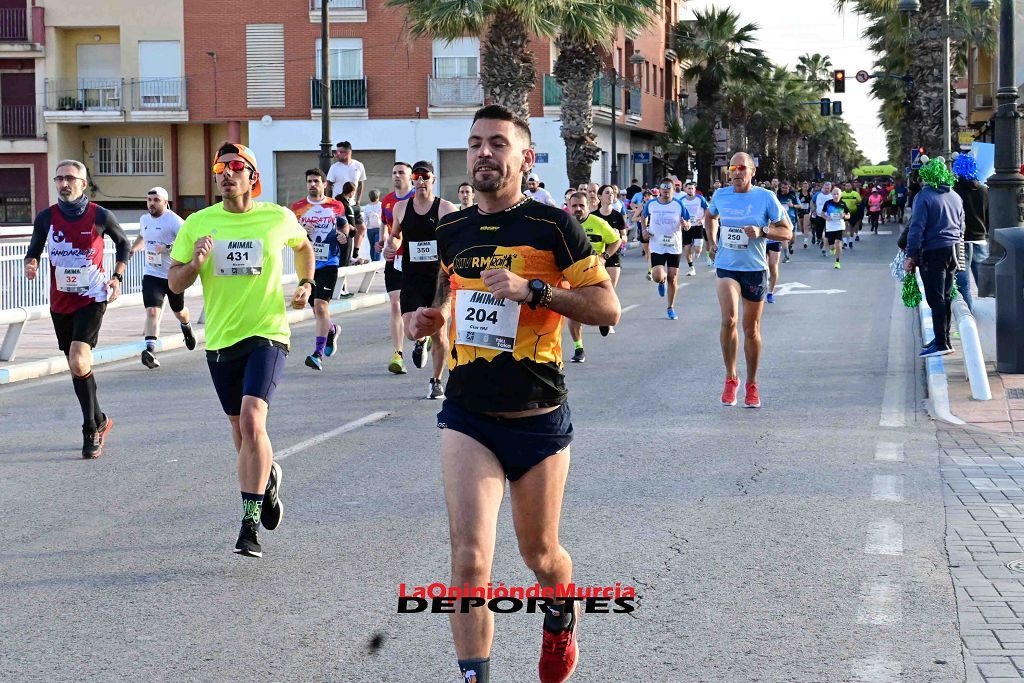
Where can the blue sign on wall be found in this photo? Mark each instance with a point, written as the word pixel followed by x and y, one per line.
pixel 641 157
pixel 542 158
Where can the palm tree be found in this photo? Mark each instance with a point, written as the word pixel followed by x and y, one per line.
pixel 584 29
pixel 816 69
pixel 507 70
pixel 716 48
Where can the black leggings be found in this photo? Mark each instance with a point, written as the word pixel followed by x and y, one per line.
pixel 938 267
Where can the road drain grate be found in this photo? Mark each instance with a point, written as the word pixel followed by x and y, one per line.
pixel 1016 566
pixel 1015 394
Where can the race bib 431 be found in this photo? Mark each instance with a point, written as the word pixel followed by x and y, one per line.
pixel 238 257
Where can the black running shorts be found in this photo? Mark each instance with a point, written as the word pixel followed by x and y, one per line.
pixel 154 289
pixel 81 326
pixel 325 279
pixel 417 291
pixel 518 443
pixel 392 277
pixel 252 367
pixel 753 283
pixel 668 260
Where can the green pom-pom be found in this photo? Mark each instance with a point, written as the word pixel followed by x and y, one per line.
pixel 954 293
pixel 911 292
pixel 935 173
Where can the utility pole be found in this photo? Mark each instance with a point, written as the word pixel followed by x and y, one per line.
pixel 325 89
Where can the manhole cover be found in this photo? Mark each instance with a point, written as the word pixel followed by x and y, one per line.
pixel 1015 394
pixel 1015 566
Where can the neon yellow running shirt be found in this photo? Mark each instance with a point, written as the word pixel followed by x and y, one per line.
pixel 242 275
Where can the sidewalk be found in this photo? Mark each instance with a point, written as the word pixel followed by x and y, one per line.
pixel 1004 413
pixel 122 333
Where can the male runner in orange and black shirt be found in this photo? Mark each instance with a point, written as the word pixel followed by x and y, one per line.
pixel 511 268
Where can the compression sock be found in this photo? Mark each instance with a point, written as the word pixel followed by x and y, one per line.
pixel 690 263
pixel 186 328
pixel 85 389
pixel 578 343
pixel 252 507
pixel 475 670
pixel 150 343
pixel 321 342
pixel 558 618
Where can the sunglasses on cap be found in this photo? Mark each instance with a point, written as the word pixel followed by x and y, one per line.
pixel 738 167
pixel 235 165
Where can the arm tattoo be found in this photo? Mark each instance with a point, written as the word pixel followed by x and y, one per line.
pixel 443 293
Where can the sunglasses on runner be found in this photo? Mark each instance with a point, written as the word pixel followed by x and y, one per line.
pixel 421 175
pixel 738 167
pixel 236 166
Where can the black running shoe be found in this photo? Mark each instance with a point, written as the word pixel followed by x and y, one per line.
pixel 579 356
pixel 603 329
pixel 93 441
pixel 190 339
pixel 273 508
pixel 149 359
pixel 248 542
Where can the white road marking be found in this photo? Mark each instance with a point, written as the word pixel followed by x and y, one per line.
pixel 889 451
pixel 881 606
pixel 887 487
pixel 885 537
pixel 875 669
pixel 784 288
pixel 629 308
pixel 320 438
pixel 896 369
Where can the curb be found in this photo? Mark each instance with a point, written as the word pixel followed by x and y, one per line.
pixel 935 369
pixel 109 354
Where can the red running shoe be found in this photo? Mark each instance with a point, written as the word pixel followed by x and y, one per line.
pixel 558 653
pixel 752 400
pixel 732 385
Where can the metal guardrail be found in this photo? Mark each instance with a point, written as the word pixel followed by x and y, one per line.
pixel 16 318
pixel 14 24
pixel 19 121
pixel 346 93
pixel 974 358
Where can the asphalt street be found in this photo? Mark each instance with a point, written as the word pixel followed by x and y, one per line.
pixel 790 543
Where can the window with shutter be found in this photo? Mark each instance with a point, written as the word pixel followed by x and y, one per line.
pixel 264 65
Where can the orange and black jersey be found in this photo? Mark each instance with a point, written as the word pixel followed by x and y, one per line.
pixel 534 241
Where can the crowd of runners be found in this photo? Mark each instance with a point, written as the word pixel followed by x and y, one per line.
pixel 480 287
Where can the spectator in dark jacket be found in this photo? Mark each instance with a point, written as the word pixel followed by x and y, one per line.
pixel 933 238
pixel 975 199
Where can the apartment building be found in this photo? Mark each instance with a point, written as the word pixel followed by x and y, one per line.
pixel 983 84
pixel 23 162
pixel 392 96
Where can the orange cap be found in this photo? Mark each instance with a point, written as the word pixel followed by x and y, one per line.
pixel 247 154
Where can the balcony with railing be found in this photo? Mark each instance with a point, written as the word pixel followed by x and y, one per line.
pixel 14 25
pixel 159 94
pixel 339 10
pixel 455 92
pixel 634 103
pixel 346 93
pixel 602 93
pixel 18 121
pixel 83 94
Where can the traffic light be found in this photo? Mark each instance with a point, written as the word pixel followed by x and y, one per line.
pixel 839 81
pixel 826 106
pixel 837 108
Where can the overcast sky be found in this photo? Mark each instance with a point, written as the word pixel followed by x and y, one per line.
pixel 790 28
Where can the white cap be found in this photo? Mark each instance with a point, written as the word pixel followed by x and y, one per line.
pixel 159 192
pixel 534 176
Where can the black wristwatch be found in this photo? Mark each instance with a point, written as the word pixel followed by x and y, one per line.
pixel 118 277
pixel 537 290
pixel 305 281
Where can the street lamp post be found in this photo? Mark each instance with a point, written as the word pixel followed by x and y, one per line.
pixel 1004 211
pixel 616 83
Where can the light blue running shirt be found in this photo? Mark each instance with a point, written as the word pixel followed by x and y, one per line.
pixel 758 207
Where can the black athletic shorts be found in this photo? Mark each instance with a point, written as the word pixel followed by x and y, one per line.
pixel 518 443
pixel 691 234
pixel 392 277
pixel 252 367
pixel 753 283
pixel 325 279
pixel 81 326
pixel 153 291
pixel 834 236
pixel 417 291
pixel 773 246
pixel 668 260
pixel 614 262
